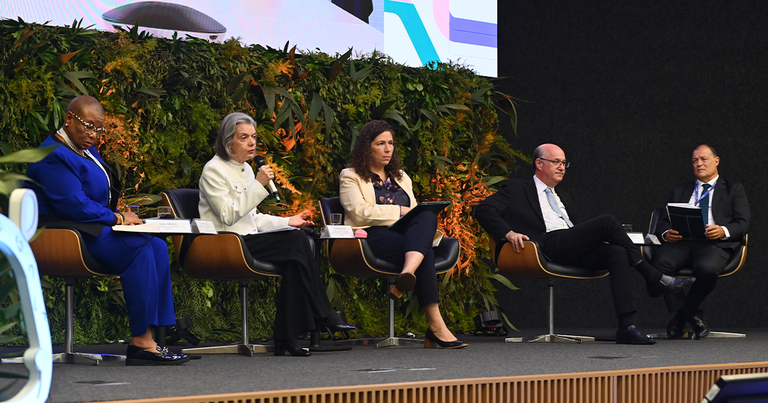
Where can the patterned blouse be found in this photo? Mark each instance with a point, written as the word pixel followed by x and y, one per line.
pixel 389 192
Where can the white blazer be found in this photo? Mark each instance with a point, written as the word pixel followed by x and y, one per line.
pixel 359 201
pixel 230 195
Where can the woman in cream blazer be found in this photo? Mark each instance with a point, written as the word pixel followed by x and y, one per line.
pixel 230 194
pixel 375 193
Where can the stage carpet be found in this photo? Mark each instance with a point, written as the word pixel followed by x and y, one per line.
pixel 489 370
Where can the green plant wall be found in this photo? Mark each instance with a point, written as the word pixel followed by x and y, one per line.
pixel 164 99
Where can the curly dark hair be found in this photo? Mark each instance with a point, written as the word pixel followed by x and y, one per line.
pixel 361 153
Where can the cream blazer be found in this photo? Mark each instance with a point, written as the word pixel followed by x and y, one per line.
pixel 359 201
pixel 230 195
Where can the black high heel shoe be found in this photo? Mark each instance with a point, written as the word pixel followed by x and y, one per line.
pixel 292 347
pixel 431 341
pixel 394 293
pixel 334 323
pixel 404 282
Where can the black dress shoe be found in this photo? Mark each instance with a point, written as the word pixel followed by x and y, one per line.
pixel 676 326
pixel 668 284
pixel 292 347
pixel 431 341
pixel 139 356
pixel 630 335
pixel 700 327
pixel 334 323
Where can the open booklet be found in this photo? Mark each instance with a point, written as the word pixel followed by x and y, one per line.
pixel 269 231
pixel 433 206
pixel 687 220
pixel 169 226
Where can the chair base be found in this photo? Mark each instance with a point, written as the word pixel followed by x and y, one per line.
pixel 316 347
pixel 86 358
pixel 712 335
pixel 243 349
pixel 399 341
pixel 74 358
pixel 550 338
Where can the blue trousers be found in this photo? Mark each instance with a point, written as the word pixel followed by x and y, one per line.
pixel 391 246
pixel 142 263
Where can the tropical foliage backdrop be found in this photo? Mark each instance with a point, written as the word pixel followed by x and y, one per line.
pixel 164 99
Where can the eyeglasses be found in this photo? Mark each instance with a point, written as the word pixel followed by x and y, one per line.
pixel 89 128
pixel 245 137
pixel 565 164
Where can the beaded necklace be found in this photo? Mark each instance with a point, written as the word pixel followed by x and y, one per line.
pixel 87 155
pixel 69 143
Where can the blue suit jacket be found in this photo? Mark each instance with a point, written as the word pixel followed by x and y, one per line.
pixel 73 189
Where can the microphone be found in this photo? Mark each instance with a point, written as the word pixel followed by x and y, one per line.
pixel 271 185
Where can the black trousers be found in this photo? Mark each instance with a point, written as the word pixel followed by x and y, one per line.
pixel 392 246
pixel 603 244
pixel 705 259
pixel 302 294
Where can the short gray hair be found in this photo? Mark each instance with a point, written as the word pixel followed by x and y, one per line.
pixel 223 144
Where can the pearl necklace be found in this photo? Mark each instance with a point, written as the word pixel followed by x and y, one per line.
pixel 69 143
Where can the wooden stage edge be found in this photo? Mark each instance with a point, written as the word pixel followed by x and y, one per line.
pixel 644 385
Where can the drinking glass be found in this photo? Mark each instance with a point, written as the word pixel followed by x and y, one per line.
pixel 336 219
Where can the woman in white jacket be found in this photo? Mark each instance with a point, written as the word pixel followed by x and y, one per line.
pixel 230 193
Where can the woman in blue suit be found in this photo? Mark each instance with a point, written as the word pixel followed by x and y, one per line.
pixel 75 189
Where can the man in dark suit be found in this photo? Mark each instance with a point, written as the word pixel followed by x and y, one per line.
pixel 727 220
pixel 530 209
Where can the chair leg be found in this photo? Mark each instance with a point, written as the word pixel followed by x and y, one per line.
pixel 244 347
pixel 551 337
pixel 69 356
pixel 392 340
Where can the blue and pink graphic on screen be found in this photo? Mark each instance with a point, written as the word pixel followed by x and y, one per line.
pixel 463 30
pixel 413 32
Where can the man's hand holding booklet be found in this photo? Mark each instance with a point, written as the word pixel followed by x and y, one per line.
pixel 687 220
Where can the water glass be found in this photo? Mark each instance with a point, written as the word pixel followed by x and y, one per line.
pixel 164 212
pixel 335 218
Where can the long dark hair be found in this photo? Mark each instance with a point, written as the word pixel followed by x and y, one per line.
pixel 361 153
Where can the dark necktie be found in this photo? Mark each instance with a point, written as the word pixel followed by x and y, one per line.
pixel 704 203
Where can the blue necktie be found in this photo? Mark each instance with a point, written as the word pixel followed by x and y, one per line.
pixel 556 207
pixel 704 203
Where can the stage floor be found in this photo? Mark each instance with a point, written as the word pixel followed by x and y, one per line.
pixel 366 365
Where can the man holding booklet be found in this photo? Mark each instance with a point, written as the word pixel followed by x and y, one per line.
pixel 724 210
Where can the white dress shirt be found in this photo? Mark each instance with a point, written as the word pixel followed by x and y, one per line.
pixel 552 220
pixel 692 201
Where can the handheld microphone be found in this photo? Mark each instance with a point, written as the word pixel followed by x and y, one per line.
pixel 271 185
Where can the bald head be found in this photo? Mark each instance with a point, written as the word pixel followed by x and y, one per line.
pixel 545 149
pixel 549 160
pixel 85 103
pixel 84 122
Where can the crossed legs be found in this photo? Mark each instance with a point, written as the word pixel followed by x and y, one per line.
pixel 413 250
